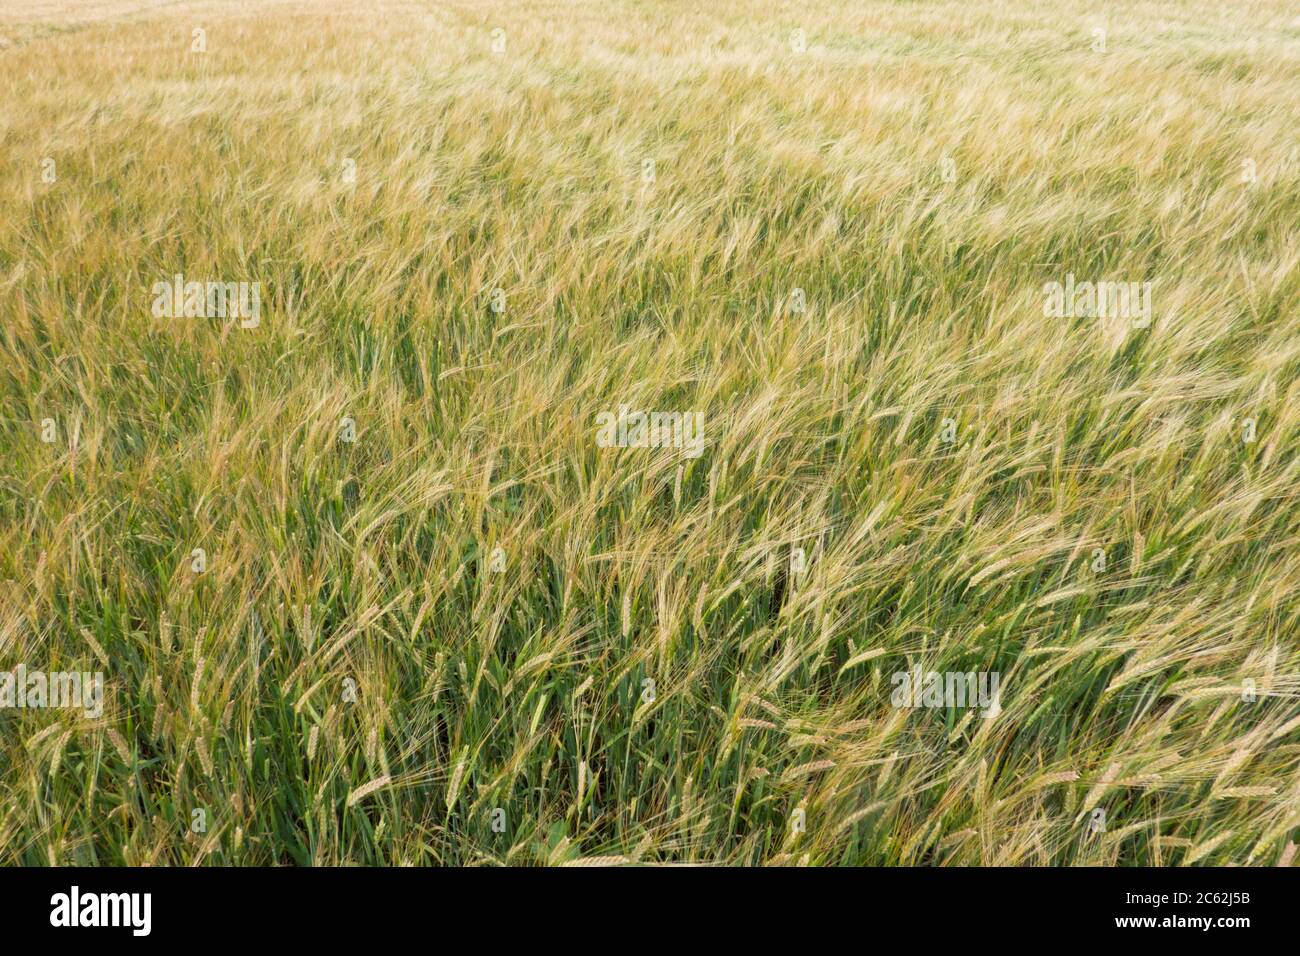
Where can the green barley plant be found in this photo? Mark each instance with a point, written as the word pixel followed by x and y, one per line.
pixel 744 433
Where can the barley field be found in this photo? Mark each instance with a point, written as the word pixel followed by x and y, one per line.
pixel 611 425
